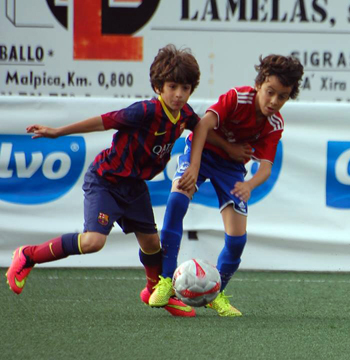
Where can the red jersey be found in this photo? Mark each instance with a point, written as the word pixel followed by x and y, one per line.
pixel 237 124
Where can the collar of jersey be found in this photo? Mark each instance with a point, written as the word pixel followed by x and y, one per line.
pixel 168 113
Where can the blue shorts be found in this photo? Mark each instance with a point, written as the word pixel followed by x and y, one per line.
pixel 127 202
pixel 222 173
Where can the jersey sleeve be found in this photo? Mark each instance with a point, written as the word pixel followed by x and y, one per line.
pixel 192 118
pixel 225 106
pixel 130 117
pixel 265 148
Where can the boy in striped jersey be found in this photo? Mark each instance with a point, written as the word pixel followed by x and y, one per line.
pixel 245 123
pixel 114 186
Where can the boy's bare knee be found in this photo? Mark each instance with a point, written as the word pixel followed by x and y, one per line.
pixel 92 242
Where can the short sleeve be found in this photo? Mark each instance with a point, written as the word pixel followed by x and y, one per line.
pixel 225 106
pixel 130 117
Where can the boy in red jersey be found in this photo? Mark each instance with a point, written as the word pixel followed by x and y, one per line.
pixel 114 186
pixel 245 123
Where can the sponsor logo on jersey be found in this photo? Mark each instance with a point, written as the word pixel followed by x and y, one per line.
pixel 162 150
pixel 338 174
pixel 36 171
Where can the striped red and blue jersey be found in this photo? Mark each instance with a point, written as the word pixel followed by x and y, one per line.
pixel 237 124
pixel 142 145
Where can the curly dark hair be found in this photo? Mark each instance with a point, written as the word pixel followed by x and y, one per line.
pixel 177 65
pixel 288 70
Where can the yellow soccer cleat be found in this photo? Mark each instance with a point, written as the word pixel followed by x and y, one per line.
pixel 223 307
pixel 175 307
pixel 163 291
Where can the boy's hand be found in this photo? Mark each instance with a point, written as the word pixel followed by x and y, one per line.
pixel 242 190
pixel 42 131
pixel 240 152
pixel 188 179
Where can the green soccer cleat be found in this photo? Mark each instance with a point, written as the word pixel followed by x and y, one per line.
pixel 163 291
pixel 19 270
pixel 223 307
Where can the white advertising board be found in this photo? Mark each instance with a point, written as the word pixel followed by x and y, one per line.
pixel 298 220
pixel 104 48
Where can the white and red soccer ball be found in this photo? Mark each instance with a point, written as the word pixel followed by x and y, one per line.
pixel 196 282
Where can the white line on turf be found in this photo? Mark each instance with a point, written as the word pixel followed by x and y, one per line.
pixel 118 278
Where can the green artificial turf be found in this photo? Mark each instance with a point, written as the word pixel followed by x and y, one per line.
pixel 96 314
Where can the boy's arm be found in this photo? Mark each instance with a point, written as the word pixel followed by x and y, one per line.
pixel 85 126
pixel 237 152
pixel 243 189
pixel 189 178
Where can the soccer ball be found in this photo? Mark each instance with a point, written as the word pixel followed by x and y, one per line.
pixel 196 282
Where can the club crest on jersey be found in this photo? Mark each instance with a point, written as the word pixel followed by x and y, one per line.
pixel 103 219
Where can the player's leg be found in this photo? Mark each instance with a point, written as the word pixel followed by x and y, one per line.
pixel 65 245
pixel 234 215
pixel 171 236
pixel 25 257
pixel 150 257
pixel 235 239
pixel 172 230
pixel 99 218
pixel 230 258
pixel 138 217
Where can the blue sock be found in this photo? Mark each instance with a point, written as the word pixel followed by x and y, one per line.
pixel 230 257
pixel 171 233
pixel 71 244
